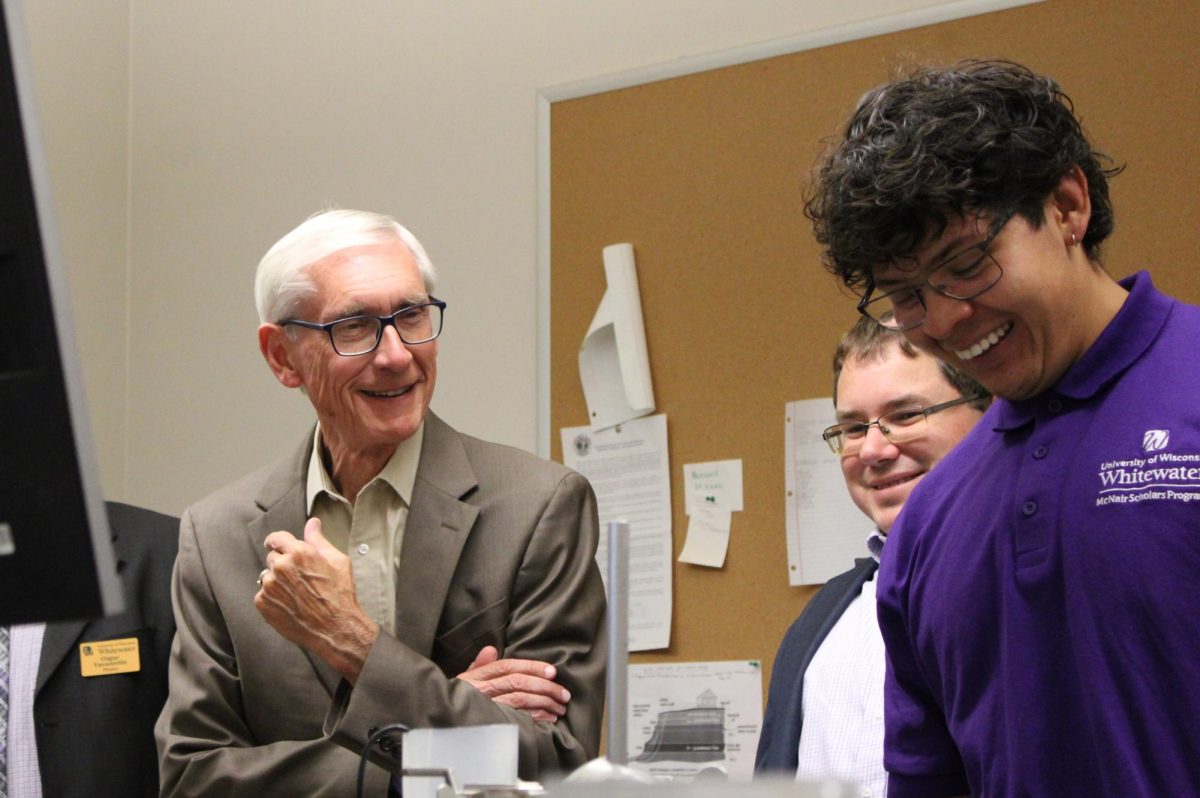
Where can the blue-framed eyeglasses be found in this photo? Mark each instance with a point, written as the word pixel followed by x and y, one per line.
pixel 964 275
pixel 360 335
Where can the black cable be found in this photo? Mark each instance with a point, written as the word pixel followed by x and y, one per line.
pixel 362 762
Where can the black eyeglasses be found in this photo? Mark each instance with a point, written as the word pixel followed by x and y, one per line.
pixel 360 335
pixel 898 426
pixel 964 275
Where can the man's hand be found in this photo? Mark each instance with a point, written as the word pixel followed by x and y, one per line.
pixel 524 684
pixel 308 596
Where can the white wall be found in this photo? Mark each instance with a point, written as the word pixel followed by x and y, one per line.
pixel 80 53
pixel 186 136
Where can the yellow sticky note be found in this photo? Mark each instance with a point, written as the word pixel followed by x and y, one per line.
pixel 107 657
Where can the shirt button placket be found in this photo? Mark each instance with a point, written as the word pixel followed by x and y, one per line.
pixel 1033 523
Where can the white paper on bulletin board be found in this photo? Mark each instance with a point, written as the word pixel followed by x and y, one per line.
pixel 688 718
pixel 628 468
pixel 825 530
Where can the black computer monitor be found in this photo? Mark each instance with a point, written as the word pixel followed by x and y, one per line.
pixel 56 559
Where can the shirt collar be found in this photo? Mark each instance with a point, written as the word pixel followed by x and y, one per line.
pixel 875 542
pixel 1120 345
pixel 400 471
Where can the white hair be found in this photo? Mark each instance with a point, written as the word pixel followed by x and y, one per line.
pixel 282 280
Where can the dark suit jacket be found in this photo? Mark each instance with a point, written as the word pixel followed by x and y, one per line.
pixel 95 735
pixel 779 743
pixel 499 549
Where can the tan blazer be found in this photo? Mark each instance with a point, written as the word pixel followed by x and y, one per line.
pixel 499 549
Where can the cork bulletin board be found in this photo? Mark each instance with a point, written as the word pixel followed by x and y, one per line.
pixel 704 174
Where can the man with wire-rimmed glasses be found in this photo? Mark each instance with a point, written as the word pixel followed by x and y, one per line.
pixel 391 570
pixel 899 411
pixel 1035 597
pixel 964 275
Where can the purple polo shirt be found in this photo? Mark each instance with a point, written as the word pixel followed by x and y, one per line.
pixel 1039 595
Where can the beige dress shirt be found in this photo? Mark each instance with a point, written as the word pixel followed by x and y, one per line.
pixel 371 530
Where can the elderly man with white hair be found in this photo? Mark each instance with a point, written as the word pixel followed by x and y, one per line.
pixel 378 573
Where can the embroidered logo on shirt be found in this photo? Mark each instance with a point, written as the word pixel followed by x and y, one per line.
pixel 1155 440
pixel 1159 476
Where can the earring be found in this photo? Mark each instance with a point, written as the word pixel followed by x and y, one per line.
pixel 1074 241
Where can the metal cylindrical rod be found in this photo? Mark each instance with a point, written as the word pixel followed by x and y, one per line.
pixel 617 747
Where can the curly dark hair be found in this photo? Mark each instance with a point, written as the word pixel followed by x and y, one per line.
pixel 977 137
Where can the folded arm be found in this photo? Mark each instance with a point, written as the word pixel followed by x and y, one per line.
pixel 555 616
pixel 210 741
pixel 307 594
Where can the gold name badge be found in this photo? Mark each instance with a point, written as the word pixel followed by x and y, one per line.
pixel 108 657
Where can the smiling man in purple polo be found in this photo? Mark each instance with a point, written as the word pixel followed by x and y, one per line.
pixel 1036 595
